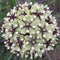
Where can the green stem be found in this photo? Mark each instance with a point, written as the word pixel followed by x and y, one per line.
pixel 10 57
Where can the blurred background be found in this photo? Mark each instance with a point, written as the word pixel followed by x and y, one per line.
pixel 6 5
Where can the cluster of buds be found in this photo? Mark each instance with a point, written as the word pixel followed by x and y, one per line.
pixel 30 30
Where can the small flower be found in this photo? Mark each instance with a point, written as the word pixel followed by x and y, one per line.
pixel 44 35
pixel 32 48
pixel 27 31
pixel 36 55
pixel 17 54
pixel 26 56
pixel 30 36
pixel 39 44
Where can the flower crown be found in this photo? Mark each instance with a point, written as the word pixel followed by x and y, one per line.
pixel 30 30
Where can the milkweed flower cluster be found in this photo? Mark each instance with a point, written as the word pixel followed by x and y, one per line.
pixel 30 30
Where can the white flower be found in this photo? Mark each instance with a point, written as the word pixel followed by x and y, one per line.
pixel 26 56
pixel 39 44
pixel 46 24
pixel 50 16
pixel 49 31
pixel 22 39
pixel 8 14
pixel 42 51
pixel 27 42
pixel 54 22
pixel 13 44
pixel 37 7
pixel 27 36
pixel 8 47
pixel 32 10
pixel 38 32
pixel 27 23
pixel 6 19
pixel 18 49
pixel 17 54
pixel 1 30
pixel 10 35
pixel 23 46
pixel 39 24
pixel 16 32
pixel 3 25
pixel 11 20
pixel 5 42
pixel 21 26
pixel 6 30
pixel 47 7
pixel 19 4
pixel 31 19
pixel 27 31
pixel 24 19
pixel 31 57
pixel 30 3
pixel 53 44
pixel 57 28
pixel 58 34
pixel 14 7
pixel 3 35
pixel 42 6
pixel 55 35
pixel 15 25
pixel 43 11
pixel 33 41
pixel 41 17
pixel 32 48
pixel 44 35
pixel 36 54
pixel 33 26
pixel 30 36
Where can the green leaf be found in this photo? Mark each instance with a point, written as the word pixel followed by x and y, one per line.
pixel 1 50
pixel 0 7
pixel 7 56
pixel 2 15
pixel 10 56
pixel 13 3
pixel 33 1
pixel 16 2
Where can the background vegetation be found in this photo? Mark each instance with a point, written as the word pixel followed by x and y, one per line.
pixel 6 5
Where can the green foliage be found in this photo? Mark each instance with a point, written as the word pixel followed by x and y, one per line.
pixel 5 7
pixel 33 1
pixel 13 3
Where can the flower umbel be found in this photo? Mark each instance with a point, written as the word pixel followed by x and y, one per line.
pixel 30 29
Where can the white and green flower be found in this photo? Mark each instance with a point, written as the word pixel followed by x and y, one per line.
pixel 30 29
